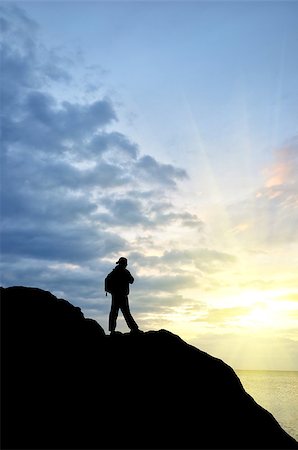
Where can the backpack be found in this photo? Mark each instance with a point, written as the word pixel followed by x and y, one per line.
pixel 109 283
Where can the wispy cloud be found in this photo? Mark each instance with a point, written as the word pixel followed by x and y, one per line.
pixel 270 216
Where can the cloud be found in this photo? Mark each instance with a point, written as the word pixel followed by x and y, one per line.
pixel 283 170
pixel 107 142
pixel 125 211
pixel 291 296
pixel 81 284
pixel 199 257
pixel 144 209
pixel 166 283
pixel 73 188
pixel 223 315
pixel 77 193
pixel 165 213
pixel 25 63
pixel 163 173
pixel 76 244
pixel 68 121
pixel 271 216
pixel 207 260
pixel 44 126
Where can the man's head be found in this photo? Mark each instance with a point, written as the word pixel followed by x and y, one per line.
pixel 122 261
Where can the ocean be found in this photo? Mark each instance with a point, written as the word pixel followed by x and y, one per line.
pixel 277 392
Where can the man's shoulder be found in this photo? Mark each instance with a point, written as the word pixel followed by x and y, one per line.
pixel 120 270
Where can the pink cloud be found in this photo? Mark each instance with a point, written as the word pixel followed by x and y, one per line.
pixel 284 170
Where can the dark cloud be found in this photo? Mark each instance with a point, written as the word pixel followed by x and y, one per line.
pixel 76 244
pixel 68 181
pixel 107 142
pixel 21 208
pixel 126 211
pixel 25 64
pixel 45 126
pixel 155 171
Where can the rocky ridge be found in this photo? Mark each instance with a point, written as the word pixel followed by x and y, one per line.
pixel 65 384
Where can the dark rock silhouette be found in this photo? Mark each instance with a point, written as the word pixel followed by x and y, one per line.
pixel 65 384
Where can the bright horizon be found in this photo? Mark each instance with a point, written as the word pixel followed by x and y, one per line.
pixel 165 132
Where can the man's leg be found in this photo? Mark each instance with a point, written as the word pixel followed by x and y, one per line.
pixel 113 314
pixel 124 306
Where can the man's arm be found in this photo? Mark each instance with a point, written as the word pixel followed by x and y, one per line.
pixel 130 277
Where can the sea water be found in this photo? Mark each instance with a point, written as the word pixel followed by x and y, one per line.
pixel 277 392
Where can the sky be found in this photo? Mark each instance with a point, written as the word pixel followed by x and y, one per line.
pixel 165 132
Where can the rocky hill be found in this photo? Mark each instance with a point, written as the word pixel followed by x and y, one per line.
pixel 65 384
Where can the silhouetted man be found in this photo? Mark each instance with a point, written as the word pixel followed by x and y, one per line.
pixel 120 279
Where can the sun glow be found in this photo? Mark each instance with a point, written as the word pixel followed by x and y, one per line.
pixel 264 310
pixel 261 316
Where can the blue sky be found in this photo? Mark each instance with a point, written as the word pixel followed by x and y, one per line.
pixel 165 132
